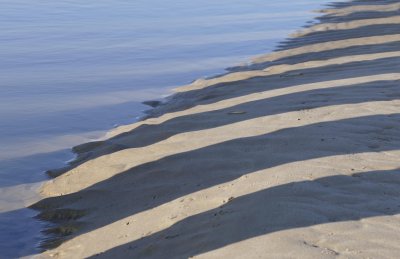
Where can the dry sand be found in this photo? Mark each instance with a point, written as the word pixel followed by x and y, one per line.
pixel 294 156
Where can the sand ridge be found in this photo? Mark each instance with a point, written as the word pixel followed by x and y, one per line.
pixel 110 165
pixel 347 25
pixel 332 45
pixel 253 97
pixel 280 69
pixel 362 8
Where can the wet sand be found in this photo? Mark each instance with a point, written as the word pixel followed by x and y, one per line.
pixel 296 155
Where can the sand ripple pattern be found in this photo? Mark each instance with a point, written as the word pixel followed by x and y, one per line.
pixel 296 155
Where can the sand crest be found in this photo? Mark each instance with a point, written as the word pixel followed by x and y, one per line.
pixel 362 8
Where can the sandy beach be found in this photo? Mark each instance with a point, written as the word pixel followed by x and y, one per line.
pixel 296 155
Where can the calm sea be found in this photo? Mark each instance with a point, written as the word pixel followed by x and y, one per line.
pixel 70 70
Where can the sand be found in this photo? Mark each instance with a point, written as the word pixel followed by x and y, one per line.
pixel 296 155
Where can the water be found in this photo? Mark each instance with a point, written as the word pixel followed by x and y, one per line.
pixel 70 70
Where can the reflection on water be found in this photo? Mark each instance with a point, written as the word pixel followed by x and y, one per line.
pixel 72 69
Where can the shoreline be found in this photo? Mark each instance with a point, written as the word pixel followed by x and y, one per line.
pixel 209 115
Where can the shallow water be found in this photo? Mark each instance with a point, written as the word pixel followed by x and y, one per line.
pixel 71 70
